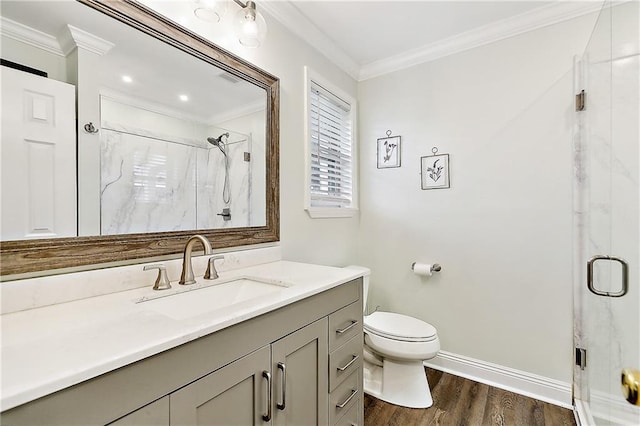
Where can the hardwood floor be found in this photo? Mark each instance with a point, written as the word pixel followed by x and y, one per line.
pixel 460 401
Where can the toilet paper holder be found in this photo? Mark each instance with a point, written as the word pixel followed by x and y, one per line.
pixel 434 268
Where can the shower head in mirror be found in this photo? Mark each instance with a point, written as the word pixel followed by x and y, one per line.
pixel 218 141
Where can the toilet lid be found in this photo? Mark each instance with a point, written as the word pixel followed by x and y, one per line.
pixel 399 327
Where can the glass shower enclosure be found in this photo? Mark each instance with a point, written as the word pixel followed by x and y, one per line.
pixel 607 217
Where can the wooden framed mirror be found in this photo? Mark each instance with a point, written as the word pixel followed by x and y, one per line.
pixel 94 243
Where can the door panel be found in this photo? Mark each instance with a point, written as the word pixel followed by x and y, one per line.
pixel 233 395
pixel 303 358
pixel 38 147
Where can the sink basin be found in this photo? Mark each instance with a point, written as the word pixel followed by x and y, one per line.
pixel 203 298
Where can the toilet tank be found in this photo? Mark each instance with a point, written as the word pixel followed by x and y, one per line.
pixel 365 281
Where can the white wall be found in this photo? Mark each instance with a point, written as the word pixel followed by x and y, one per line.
pixel 54 65
pixel 502 232
pixel 323 241
pixel 82 72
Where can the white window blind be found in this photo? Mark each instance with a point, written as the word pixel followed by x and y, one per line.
pixel 330 126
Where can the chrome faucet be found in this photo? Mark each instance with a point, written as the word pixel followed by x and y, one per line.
pixel 187 269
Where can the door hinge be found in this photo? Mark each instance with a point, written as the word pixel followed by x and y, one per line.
pixel 247 156
pixel 581 358
pixel 581 101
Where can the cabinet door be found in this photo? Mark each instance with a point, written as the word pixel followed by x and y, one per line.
pixel 233 395
pixel 156 414
pixel 299 366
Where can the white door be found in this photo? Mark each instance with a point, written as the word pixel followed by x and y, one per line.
pixel 38 157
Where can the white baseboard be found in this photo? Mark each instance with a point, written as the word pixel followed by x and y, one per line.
pixel 582 413
pixel 613 409
pixel 521 382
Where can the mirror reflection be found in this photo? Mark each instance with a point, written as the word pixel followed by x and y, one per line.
pixel 106 130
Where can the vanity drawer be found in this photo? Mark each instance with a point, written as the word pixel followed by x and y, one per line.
pixel 345 397
pixel 344 361
pixel 345 324
pixel 351 417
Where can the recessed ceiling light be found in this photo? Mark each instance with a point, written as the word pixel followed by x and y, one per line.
pixel 127 79
pixel 184 98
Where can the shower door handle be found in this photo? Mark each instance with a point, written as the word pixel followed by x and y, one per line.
pixel 625 276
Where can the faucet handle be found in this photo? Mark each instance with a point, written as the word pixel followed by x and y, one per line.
pixel 212 273
pixel 162 281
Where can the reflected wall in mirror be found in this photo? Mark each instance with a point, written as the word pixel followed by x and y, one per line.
pixel 139 134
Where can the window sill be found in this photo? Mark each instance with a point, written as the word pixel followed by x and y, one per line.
pixel 328 212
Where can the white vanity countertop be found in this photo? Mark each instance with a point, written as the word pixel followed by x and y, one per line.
pixel 51 348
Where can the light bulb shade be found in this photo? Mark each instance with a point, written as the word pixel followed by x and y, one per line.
pixel 211 10
pixel 250 26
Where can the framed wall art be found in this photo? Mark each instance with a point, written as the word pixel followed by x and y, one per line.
pixel 434 170
pixel 389 151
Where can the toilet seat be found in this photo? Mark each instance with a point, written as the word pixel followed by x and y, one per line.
pixel 399 327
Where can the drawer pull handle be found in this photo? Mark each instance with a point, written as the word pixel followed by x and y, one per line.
pixel 267 417
pixel 347 328
pixel 355 357
pixel 283 368
pixel 346 401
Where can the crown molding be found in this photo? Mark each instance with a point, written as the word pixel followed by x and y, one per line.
pixel 500 30
pixel 241 111
pixel 291 18
pixel 30 36
pixel 73 37
pixel 127 99
pixel 68 40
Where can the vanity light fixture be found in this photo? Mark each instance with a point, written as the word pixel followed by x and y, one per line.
pixel 210 10
pixel 249 25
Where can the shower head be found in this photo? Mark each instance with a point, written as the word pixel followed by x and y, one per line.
pixel 218 141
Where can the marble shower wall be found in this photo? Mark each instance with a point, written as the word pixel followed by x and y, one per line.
pixel 155 182
pixel 146 185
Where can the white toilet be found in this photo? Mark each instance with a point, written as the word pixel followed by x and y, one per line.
pixel 395 347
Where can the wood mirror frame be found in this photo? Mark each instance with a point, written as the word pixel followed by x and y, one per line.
pixel 45 256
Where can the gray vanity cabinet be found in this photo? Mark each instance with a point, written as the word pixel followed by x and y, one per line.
pixel 238 394
pixel 156 413
pixel 345 366
pixel 233 395
pixel 220 379
pixel 299 365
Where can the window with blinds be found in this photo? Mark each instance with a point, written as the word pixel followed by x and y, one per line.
pixel 330 123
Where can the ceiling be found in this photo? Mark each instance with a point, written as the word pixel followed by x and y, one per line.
pixel 365 38
pixel 372 37
pixel 159 79
pixel 371 31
